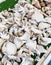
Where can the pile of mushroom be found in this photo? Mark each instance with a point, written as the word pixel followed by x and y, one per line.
pixel 23 33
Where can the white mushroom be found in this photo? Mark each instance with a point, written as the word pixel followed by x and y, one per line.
pixel 4 59
pixel 43 25
pixel 31 45
pixel 18 42
pixel 14 29
pixel 46 40
pixel 37 16
pixel 26 62
pixel 48 20
pixel 1 25
pixel 36 31
pixel 4 35
pixel 41 49
pixel 25 36
pixel 9 48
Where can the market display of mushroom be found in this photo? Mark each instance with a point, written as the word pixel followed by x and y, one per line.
pixel 25 32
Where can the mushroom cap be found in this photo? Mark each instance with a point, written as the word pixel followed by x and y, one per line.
pixel 31 45
pixel 9 48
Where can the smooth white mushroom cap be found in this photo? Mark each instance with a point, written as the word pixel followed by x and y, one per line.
pixel 18 42
pixel 41 49
pixel 43 25
pixel 26 62
pixel 37 16
pixel 9 48
pixel 31 45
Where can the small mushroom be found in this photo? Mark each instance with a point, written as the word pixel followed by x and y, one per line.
pixel 43 25
pixel 9 48
pixel 36 31
pixel 31 45
pixel 37 16
pixel 48 20
pixel 26 62
pixel 41 49
pixel 4 36
pixel 18 42
pixel 46 40
pixel 25 36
